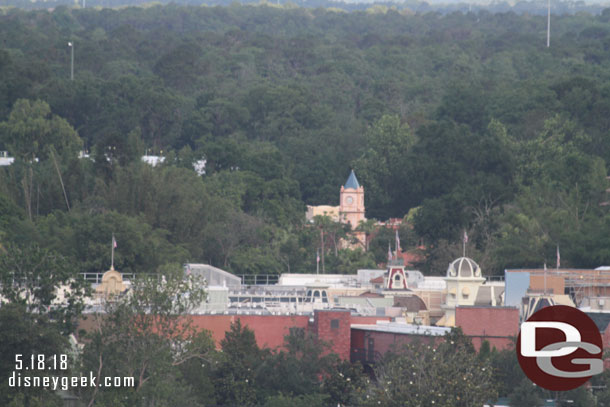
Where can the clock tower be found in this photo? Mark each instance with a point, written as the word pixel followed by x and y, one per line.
pixel 351 204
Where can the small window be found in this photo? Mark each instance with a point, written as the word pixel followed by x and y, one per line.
pixel 334 324
pixel 397 277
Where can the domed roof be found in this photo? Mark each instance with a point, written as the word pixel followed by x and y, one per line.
pixel 464 267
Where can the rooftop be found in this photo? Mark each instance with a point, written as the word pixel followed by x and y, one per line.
pixel 402 328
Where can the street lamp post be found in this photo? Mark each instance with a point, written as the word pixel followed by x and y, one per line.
pixel 548 25
pixel 71 45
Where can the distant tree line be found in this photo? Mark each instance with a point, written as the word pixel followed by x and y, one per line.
pixel 534 7
pixel 456 122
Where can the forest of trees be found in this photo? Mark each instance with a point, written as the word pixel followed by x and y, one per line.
pixel 453 121
pixel 461 122
pixel 531 7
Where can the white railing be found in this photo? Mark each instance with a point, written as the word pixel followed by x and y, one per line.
pixel 258 279
pixel 96 278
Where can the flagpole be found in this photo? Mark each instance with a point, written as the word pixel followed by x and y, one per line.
pixel 545 278
pixel 112 253
pixel 317 262
pixel 397 244
pixel 464 240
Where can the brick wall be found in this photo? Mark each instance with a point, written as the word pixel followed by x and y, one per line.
pixel 333 326
pixel 268 329
pixel 497 325
pixel 554 284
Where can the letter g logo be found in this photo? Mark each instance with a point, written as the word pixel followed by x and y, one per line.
pixel 554 346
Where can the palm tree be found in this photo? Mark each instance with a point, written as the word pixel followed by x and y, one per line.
pixel 367 226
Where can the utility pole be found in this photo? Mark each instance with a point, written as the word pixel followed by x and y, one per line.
pixel 548 25
pixel 71 45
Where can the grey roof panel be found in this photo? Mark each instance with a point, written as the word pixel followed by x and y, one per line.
pixel 601 319
pixel 483 296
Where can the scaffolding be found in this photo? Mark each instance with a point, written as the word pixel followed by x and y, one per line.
pixel 581 285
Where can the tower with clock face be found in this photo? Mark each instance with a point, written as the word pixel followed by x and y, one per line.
pixel 351 204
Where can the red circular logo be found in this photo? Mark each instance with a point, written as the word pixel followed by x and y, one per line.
pixel 560 348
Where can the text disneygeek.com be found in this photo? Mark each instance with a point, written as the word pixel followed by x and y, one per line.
pixel 64 383
pixel 59 362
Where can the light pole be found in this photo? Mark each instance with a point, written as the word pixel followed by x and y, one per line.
pixel 71 45
pixel 548 25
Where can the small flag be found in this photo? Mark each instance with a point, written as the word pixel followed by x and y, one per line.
pixel 113 242
pixel 317 256
pixel 188 269
pixel 558 258
pixel 389 252
pixel 465 238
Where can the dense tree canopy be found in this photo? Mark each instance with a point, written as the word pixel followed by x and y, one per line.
pixel 453 121
pixel 467 117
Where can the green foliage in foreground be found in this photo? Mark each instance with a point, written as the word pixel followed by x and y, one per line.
pixel 449 373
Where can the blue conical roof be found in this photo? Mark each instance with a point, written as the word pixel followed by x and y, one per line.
pixel 352 181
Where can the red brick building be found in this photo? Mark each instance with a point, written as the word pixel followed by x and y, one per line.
pixel 369 342
pixel 269 330
pixel 332 326
pixel 367 338
pixel 497 325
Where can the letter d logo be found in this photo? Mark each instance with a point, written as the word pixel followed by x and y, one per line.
pixel 528 339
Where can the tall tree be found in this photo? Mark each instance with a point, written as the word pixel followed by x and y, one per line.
pixel 42 297
pixel 147 335
pixel 43 282
pixel 36 136
pixel 448 373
